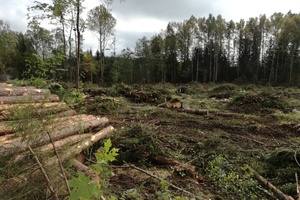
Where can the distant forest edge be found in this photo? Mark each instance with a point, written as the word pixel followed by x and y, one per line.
pixel 206 49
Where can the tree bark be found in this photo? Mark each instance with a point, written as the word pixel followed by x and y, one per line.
pixel 59 132
pixel 28 99
pixel 23 179
pixel 266 184
pixel 78 43
pixel 85 169
pixel 22 91
pixel 58 144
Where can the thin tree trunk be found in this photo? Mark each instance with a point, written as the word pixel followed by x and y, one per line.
pixel 78 45
pixel 291 69
pixel 197 69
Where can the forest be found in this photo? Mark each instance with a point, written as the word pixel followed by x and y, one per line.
pixel 205 49
pixel 204 109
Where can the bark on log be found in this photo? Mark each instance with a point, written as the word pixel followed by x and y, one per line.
pixel 60 105
pixel 266 184
pixel 23 179
pixel 58 144
pixel 22 91
pixel 76 149
pixel 5 129
pixel 28 99
pixel 85 169
pixel 179 166
pixel 36 111
pixel 59 132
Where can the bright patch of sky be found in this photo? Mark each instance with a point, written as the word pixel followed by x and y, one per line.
pixel 138 18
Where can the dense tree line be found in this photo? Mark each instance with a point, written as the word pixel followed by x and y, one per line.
pixel 205 49
pixel 210 49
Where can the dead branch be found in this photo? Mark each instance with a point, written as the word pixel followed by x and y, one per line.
pixel 295 157
pixel 44 173
pixel 297 187
pixel 85 169
pixel 266 184
pixel 160 179
pixel 59 162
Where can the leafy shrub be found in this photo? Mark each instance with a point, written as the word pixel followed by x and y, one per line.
pixel 234 182
pixel 82 187
pixel 67 94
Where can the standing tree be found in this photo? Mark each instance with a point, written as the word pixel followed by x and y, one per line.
pixel 101 21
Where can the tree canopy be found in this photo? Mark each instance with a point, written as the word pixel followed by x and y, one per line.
pixel 206 49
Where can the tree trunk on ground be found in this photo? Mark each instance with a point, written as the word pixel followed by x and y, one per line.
pixel 266 184
pixel 58 132
pixel 22 91
pixel 28 99
pixel 23 179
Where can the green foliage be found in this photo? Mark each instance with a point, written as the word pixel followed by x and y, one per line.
pixel 224 91
pixel 165 193
pixel 106 155
pixel 82 187
pixel 261 102
pixel 67 94
pixel 234 182
pixel 35 67
pixel 140 142
pixel 33 81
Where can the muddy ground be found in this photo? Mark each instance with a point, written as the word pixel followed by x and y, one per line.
pixel 248 125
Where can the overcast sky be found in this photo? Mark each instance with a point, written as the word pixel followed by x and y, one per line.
pixel 138 18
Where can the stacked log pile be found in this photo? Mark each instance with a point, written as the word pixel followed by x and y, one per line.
pixel 49 128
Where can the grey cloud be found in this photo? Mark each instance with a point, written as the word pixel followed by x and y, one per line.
pixel 14 12
pixel 124 39
pixel 170 10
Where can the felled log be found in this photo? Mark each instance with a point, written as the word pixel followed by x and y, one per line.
pixel 22 91
pixel 71 140
pixel 62 120
pixel 85 169
pixel 5 128
pixel 266 184
pixel 23 179
pixel 7 111
pixel 178 166
pixel 28 99
pixel 174 103
pixel 60 105
pixel 59 132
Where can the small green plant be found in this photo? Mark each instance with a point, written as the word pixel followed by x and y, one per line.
pixel 70 96
pixel 165 194
pixel 83 188
pixel 234 182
